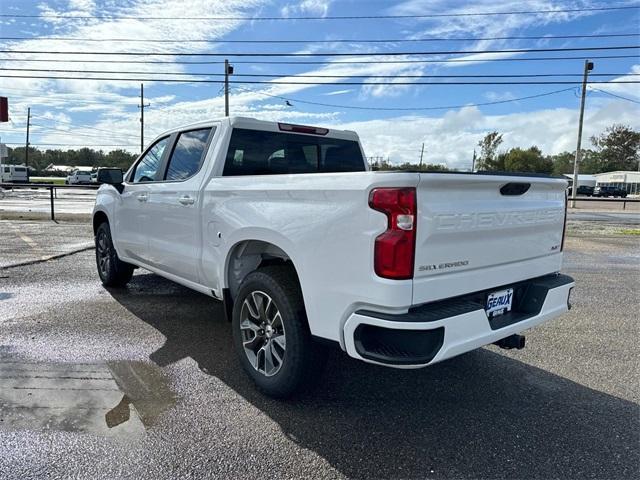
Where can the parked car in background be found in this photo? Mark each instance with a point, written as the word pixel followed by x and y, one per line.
pixel 79 177
pixel 14 174
pixel 606 191
pixel 582 190
pixel 307 247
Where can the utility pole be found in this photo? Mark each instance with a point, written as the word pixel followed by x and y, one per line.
pixel 421 155
pixel 588 66
pixel 26 145
pixel 473 161
pixel 228 70
pixel 142 107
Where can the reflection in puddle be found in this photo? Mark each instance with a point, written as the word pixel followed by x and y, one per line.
pixel 119 414
pixel 145 387
pixel 120 398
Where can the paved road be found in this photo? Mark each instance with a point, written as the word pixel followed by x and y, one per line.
pixel 142 383
pixel 76 201
pixel 629 218
pixel 28 241
pixel 80 202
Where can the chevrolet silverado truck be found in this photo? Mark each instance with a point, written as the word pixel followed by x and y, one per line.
pixel 305 246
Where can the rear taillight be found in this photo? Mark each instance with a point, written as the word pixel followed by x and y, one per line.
pixel 564 227
pixel 394 249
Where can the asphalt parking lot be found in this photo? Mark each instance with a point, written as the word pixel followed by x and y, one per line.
pixel 143 383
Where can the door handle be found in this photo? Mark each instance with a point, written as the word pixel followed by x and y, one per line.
pixel 142 197
pixel 186 200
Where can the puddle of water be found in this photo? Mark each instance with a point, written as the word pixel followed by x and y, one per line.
pixel 145 388
pixel 118 398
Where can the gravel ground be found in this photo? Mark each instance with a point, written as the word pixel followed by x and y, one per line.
pixel 143 383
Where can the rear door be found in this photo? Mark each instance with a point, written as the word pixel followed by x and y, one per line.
pixel 480 231
pixel 174 222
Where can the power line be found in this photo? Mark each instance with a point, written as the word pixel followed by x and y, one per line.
pixel 123 135
pixel 617 96
pixel 84 95
pixel 351 62
pixel 69 144
pixel 343 40
pixel 326 54
pixel 114 136
pixel 296 75
pixel 276 82
pixel 63 98
pixel 325 18
pixel 449 107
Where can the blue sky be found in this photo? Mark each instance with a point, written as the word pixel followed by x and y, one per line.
pixel 81 112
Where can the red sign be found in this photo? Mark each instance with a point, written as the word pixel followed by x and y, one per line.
pixel 4 109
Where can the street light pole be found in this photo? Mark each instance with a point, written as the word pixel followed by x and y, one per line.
pixel 588 66
pixel 142 107
pixel 26 144
pixel 228 70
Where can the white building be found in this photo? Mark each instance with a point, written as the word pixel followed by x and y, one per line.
pixel 628 180
pixel 583 180
pixel 68 168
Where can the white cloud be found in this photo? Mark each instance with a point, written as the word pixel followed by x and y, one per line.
pixel 338 92
pixel 499 96
pixel 318 8
pixel 450 139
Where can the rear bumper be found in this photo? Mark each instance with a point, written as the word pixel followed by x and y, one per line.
pixel 439 330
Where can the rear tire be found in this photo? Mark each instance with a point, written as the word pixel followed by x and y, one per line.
pixel 113 271
pixel 271 335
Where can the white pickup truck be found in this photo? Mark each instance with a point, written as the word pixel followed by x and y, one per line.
pixel 305 246
pixel 78 177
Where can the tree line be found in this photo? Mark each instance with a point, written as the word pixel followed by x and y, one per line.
pixel 39 160
pixel 617 148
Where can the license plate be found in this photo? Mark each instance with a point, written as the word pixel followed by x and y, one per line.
pixel 499 303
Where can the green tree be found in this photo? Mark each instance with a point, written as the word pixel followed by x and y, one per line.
pixel 487 159
pixel 529 160
pixel 562 162
pixel 39 159
pixel 590 162
pixel 618 148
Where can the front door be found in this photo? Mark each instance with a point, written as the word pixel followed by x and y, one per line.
pixel 132 212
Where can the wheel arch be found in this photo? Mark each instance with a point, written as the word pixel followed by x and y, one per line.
pixel 99 217
pixel 247 256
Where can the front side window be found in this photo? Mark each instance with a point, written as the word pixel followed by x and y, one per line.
pixel 257 152
pixel 147 168
pixel 188 153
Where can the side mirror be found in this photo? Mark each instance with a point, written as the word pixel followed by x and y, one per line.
pixel 111 176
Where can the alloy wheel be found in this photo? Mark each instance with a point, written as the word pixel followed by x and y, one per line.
pixel 262 332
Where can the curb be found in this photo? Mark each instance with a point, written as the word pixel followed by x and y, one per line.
pixel 83 248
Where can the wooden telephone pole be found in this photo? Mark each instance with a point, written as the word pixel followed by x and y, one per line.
pixel 142 107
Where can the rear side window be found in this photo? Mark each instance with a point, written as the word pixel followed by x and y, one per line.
pixel 256 152
pixel 188 153
pixel 148 166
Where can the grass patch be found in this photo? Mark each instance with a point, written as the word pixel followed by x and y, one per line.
pixel 629 231
pixel 54 180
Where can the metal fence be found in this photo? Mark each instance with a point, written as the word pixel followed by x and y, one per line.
pixel 53 188
pixel 47 186
pixel 624 201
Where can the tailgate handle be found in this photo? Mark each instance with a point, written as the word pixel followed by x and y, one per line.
pixel 514 188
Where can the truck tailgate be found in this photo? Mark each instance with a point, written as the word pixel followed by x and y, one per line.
pixel 482 231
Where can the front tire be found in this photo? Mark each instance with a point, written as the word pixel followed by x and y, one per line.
pixel 271 335
pixel 113 271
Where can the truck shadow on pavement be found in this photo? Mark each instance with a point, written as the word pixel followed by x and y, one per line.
pixel 478 415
